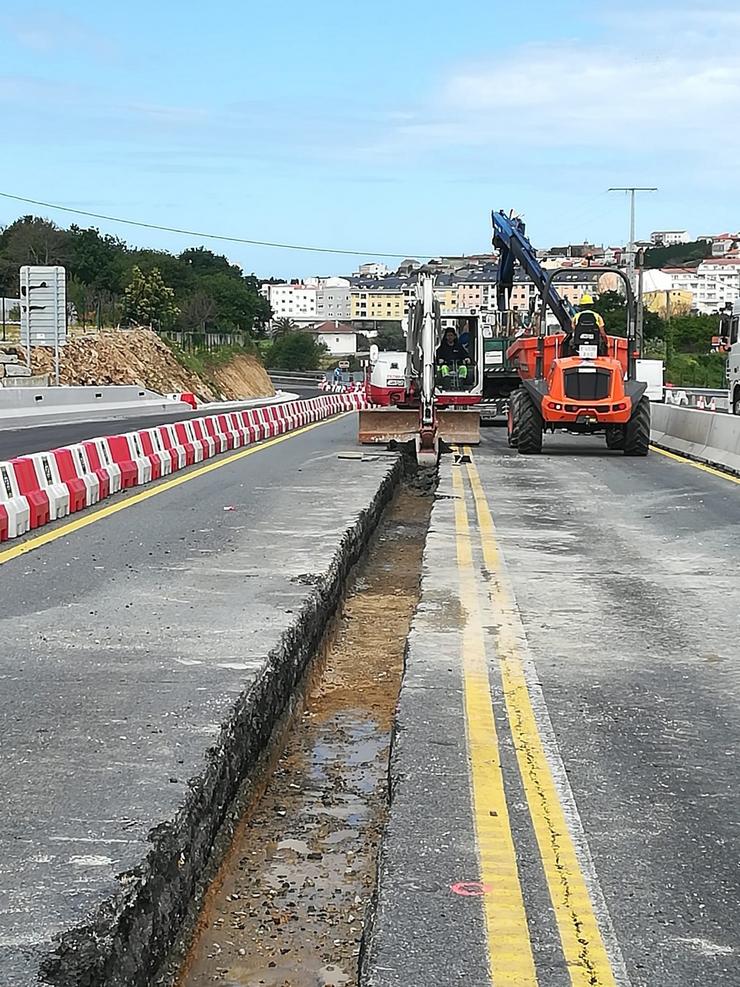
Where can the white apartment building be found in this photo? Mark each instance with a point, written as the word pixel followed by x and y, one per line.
pixel 668 238
pixel 296 301
pixel 372 270
pixel 712 283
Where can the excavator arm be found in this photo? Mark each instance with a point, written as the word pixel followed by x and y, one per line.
pixel 510 240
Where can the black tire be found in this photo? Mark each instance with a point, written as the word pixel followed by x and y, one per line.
pixel 615 436
pixel 637 430
pixel 512 419
pixel 529 430
pixel 735 409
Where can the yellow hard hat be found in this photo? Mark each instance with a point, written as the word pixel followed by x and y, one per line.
pixel 586 300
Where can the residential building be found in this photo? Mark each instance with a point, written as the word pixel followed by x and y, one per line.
pixel 291 300
pixel 574 284
pixel 407 267
pixel 378 302
pixel 333 299
pixel 372 270
pixel 668 238
pixel 338 337
pixel 725 243
pixel 615 255
pixel 445 291
pixel 712 283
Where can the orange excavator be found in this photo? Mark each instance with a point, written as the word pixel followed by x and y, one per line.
pixel 575 377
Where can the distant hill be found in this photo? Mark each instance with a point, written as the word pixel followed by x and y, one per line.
pixel 681 255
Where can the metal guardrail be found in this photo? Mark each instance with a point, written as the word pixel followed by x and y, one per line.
pixel 298 374
pixel 704 398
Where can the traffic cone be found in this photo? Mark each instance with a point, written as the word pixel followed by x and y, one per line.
pixel 700 402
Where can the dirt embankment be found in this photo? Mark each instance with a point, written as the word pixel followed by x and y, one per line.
pixel 140 357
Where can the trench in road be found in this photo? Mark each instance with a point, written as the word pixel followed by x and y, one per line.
pixel 288 905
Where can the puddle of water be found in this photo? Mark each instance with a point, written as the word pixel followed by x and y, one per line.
pixel 288 905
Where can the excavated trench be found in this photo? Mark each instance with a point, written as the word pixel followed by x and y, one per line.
pixel 288 904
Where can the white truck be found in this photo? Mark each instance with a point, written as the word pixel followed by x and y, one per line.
pixel 731 330
pixel 651 372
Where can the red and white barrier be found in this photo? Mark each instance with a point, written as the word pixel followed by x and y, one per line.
pixel 16 509
pixel 46 486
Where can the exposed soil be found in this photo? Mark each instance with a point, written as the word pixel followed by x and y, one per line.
pixel 288 905
pixel 139 356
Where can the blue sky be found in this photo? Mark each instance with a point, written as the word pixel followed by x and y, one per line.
pixel 377 127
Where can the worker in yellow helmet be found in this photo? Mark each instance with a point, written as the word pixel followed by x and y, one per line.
pixel 586 323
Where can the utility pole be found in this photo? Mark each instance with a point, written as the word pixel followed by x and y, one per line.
pixel 632 190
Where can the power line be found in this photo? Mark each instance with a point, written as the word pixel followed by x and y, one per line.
pixel 210 236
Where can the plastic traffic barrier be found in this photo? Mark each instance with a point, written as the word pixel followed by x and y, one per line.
pixel 88 467
pixel 84 489
pixel 57 492
pixel 162 460
pixel 29 487
pixel 48 485
pixel 220 438
pixel 99 457
pixel 16 506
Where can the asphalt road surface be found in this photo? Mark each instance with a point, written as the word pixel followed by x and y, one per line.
pixel 124 645
pixel 38 438
pixel 625 574
pixel 565 807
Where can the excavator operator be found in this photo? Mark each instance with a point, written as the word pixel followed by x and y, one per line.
pixel 451 353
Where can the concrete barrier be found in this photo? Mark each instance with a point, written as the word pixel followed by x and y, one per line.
pixel 701 435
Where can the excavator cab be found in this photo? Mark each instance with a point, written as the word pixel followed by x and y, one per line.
pixel 456 356
pixel 441 389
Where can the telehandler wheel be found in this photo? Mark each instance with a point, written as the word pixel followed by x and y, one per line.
pixel 529 428
pixel 637 430
pixel 615 436
pixel 512 419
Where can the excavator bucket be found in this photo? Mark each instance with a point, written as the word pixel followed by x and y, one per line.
pixel 460 427
pixel 383 425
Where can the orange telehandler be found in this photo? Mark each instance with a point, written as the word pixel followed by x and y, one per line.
pixel 576 378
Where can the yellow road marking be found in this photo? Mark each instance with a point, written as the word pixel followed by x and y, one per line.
pixel 697 466
pixel 37 541
pixel 583 946
pixel 509 947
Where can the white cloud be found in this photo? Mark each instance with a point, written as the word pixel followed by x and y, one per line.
pixel 658 84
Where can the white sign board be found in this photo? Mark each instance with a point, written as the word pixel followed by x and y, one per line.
pixel 43 306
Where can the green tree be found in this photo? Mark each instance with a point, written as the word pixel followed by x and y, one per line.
pixel 693 333
pixel 148 300
pixel 613 310
pixel 238 307
pixel 201 261
pixel 282 326
pixel 681 254
pixel 390 337
pixel 96 261
pixel 296 351
pixel 30 240
pixel 198 312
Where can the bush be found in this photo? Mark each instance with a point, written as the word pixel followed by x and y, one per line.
pixel 295 351
pixel 697 370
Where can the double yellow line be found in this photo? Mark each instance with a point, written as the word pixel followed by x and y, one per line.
pixel 509 944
